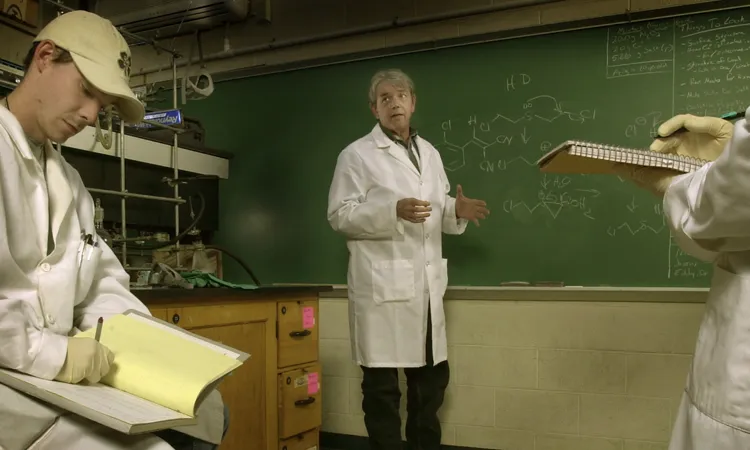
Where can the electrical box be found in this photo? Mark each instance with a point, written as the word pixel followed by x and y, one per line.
pixel 25 11
pixel 10 75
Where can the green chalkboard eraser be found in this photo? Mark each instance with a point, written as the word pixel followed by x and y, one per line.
pixel 515 283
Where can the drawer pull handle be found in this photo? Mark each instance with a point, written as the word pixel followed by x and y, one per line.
pixel 305 402
pixel 300 333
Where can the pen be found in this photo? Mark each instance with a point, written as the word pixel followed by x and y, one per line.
pixel 728 116
pixel 98 329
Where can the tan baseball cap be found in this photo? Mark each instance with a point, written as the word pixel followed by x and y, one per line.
pixel 101 55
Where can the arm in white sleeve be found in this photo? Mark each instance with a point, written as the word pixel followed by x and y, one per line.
pixel 109 293
pixel 349 210
pixel 451 223
pixel 709 209
pixel 25 344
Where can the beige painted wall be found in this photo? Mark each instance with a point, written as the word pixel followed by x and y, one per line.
pixel 540 375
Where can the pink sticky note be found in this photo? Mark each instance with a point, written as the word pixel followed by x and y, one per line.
pixel 312 383
pixel 308 317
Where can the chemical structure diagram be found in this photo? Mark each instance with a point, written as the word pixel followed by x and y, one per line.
pixel 540 108
pixel 555 195
pixel 643 226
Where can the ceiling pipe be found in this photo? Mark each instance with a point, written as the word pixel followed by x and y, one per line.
pixel 395 23
pixel 143 41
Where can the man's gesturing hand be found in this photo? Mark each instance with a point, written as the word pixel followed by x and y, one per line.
pixel 413 210
pixel 469 208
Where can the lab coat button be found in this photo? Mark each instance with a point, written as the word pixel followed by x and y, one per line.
pixel 427 236
pixel 50 319
pixel 45 267
pixel 428 263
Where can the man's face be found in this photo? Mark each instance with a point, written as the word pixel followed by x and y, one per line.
pixel 67 102
pixel 394 106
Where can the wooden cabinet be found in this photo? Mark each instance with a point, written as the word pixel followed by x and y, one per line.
pixel 298 332
pixel 305 441
pixel 274 399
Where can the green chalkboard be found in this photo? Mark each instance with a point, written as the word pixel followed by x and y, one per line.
pixel 491 109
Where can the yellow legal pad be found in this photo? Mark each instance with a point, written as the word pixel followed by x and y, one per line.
pixel 161 363
pixel 160 376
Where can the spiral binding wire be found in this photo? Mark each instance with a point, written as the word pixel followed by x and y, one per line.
pixel 639 157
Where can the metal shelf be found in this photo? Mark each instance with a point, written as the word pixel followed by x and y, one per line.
pixel 123 193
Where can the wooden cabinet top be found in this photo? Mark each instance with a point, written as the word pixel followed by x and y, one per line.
pixel 201 295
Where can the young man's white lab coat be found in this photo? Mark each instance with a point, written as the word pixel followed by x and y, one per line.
pixel 45 298
pixel 396 268
pixel 709 213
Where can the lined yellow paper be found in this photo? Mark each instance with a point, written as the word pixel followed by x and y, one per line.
pixel 159 364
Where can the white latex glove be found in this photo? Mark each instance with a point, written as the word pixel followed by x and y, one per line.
pixel 705 138
pixel 86 359
pixel 702 137
pixel 653 179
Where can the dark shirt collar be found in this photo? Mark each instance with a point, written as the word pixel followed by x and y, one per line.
pixel 396 138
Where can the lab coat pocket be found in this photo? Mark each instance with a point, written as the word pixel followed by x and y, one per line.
pixel 718 384
pixel 86 271
pixel 443 282
pixel 393 281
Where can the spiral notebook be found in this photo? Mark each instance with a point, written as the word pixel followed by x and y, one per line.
pixel 591 158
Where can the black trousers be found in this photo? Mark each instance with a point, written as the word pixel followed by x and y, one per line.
pixel 425 392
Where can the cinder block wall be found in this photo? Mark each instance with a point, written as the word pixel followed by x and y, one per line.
pixel 540 375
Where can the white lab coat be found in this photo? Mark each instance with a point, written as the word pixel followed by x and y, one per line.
pixel 45 298
pixel 709 213
pixel 396 267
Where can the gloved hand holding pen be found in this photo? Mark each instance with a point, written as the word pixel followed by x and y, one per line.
pixel 86 359
pixel 702 137
pixel 684 134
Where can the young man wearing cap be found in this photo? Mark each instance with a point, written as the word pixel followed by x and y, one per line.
pixel 78 65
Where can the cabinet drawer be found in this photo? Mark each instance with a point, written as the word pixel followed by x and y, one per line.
pixel 159 313
pixel 309 440
pixel 299 401
pixel 298 332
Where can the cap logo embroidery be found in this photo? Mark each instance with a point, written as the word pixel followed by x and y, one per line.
pixel 124 63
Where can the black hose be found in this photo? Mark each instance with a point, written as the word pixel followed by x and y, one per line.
pixel 215 247
pixel 239 261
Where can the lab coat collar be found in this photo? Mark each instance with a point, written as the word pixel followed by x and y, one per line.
pixel 385 143
pixel 11 125
pixel 381 139
pixel 17 135
pixel 59 189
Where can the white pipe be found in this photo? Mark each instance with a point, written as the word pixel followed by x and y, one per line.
pixel 395 23
pixel 121 139
pixel 127 194
pixel 175 165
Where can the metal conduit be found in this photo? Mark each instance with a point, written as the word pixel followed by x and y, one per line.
pixel 395 23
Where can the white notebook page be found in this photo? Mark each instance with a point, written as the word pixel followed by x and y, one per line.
pixel 105 400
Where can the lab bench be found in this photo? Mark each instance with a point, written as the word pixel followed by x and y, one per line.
pixel 274 399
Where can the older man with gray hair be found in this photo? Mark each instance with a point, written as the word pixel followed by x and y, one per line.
pixel 390 198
